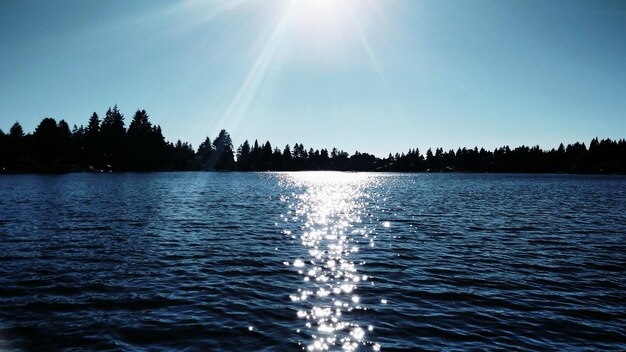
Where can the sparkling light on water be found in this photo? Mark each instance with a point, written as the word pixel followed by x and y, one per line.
pixel 329 211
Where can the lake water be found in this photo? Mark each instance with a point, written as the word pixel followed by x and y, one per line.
pixel 312 261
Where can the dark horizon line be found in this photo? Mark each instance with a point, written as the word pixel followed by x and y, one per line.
pixel 108 145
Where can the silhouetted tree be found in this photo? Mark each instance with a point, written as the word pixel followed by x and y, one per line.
pixel 50 144
pixel 113 134
pixel 146 143
pixel 93 142
pixel 65 143
pixel 180 156
pixel 243 157
pixel 299 157
pixel 323 159
pixel 266 157
pixel 16 154
pixel 255 155
pixel 77 152
pixel 338 160
pixel 16 131
pixel 276 160
pixel 223 157
pixel 430 160
pixel 287 159
pixel 204 154
pixel 53 148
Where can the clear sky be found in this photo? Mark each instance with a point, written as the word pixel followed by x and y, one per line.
pixel 376 76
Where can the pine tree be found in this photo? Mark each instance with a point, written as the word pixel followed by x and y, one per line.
pixel 113 134
pixel 243 157
pixel 223 158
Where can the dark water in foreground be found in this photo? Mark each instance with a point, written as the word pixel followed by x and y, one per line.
pixel 313 261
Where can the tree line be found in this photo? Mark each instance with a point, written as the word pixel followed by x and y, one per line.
pixel 107 145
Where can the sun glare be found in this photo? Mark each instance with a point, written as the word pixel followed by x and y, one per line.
pixel 323 20
pixel 305 32
pixel 330 31
pixel 321 15
pixel 320 6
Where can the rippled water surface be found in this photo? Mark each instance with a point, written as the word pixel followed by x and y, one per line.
pixel 312 261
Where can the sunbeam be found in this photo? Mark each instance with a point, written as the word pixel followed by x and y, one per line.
pixel 365 42
pixel 317 31
pixel 239 105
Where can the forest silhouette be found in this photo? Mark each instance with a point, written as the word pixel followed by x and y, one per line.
pixel 107 145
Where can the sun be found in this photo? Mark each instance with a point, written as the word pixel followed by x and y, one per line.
pixel 320 6
pixel 323 27
pixel 301 33
pixel 322 17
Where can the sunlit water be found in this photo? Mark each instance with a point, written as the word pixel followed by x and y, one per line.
pixel 329 207
pixel 312 261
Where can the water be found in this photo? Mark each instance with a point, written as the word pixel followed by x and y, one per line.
pixel 312 261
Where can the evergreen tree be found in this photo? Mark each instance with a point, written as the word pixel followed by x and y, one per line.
pixel 430 160
pixel 205 153
pixel 93 142
pixel 266 157
pixel 287 159
pixel 48 141
pixel 77 149
pixel 255 155
pixel 65 142
pixel 113 134
pixel 16 149
pixel 276 160
pixel 53 147
pixel 93 127
pixel 16 131
pixel 180 156
pixel 323 159
pixel 223 157
pixel 243 157
pixel 146 143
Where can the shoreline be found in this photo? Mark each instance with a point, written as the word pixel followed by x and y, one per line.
pixel 30 172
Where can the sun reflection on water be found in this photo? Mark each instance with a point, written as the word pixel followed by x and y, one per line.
pixel 332 230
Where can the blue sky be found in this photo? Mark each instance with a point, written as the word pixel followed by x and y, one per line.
pixel 376 76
